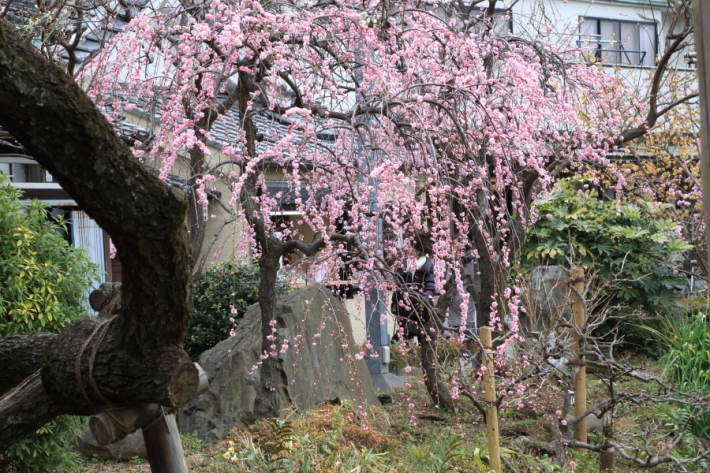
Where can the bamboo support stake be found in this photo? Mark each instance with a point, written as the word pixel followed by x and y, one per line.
pixel 490 396
pixel 580 381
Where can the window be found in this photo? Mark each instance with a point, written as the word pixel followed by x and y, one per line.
pixel 501 20
pixel 618 41
pixel 23 173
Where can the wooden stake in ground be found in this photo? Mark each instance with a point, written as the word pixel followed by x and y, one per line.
pixel 490 396
pixel 580 381
pixel 607 461
pixel 162 442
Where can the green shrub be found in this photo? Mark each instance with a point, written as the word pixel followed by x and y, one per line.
pixel 50 449
pixel 220 299
pixel 632 244
pixel 44 282
pixel 688 362
pixel 44 279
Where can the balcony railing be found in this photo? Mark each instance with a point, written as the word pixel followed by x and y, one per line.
pixel 610 52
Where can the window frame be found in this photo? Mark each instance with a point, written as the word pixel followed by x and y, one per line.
pixel 598 52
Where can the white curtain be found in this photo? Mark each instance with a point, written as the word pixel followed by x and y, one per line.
pixel 609 31
pixel 630 41
pixel 647 42
pixel 88 236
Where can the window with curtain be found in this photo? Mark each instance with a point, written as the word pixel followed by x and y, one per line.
pixel 618 41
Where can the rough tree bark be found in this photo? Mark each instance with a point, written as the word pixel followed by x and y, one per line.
pixel 136 356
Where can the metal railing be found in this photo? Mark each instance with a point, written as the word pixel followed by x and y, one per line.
pixel 597 50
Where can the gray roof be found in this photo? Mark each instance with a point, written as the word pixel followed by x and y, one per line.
pixel 225 130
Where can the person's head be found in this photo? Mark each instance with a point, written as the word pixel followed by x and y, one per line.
pixel 421 244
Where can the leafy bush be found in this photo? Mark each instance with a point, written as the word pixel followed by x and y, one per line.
pixel 220 299
pixel 629 243
pixel 44 281
pixel 50 449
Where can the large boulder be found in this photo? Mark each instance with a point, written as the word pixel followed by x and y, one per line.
pixel 547 299
pixel 320 364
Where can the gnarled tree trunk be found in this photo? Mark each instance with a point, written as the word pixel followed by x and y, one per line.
pixel 136 356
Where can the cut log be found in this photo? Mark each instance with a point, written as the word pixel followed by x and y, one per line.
pixel 99 298
pixel 607 460
pixel 87 368
pixel 112 425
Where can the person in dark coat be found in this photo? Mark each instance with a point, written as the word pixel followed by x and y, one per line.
pixel 417 276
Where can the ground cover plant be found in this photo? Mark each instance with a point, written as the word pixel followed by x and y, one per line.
pixel 688 363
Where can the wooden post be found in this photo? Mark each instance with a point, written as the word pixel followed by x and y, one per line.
pixel 162 438
pixel 162 442
pixel 607 462
pixel 490 396
pixel 580 381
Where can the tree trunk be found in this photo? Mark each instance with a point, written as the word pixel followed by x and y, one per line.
pixel 438 391
pixel 267 400
pixel 195 214
pixel 271 374
pixel 136 356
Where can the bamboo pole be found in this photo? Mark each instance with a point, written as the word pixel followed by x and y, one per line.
pixel 490 397
pixel 580 381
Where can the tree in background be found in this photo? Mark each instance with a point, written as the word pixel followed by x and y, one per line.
pixel 664 167
pixel 660 113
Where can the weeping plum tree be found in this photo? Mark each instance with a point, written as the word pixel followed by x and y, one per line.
pixel 439 121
